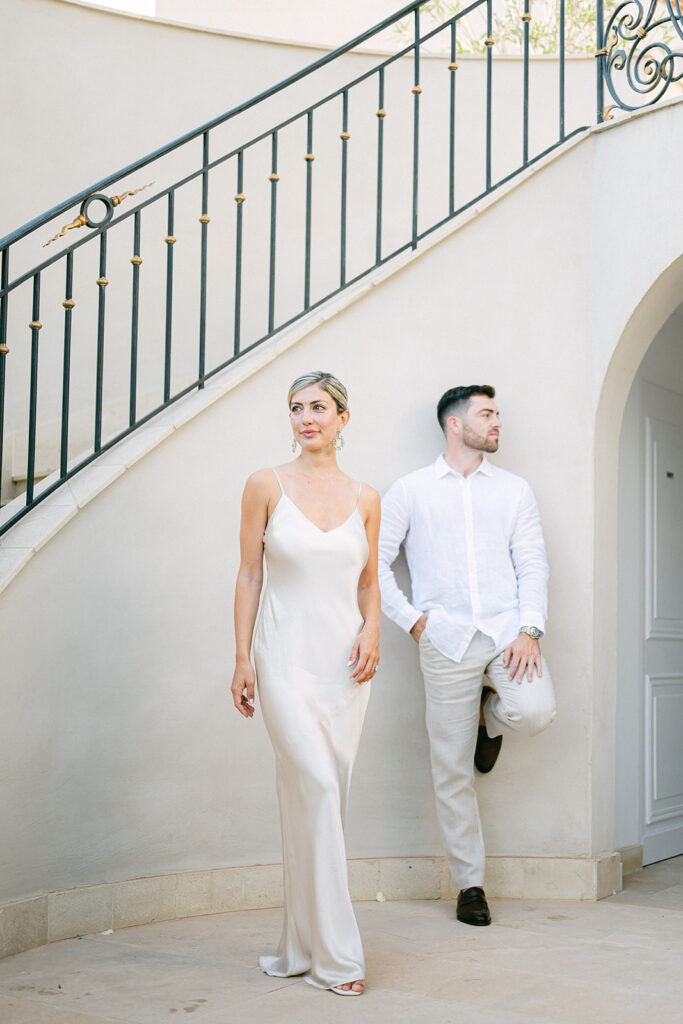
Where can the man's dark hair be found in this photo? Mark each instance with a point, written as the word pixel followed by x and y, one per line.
pixel 454 401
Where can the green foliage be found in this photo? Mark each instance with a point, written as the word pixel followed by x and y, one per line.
pixel 508 27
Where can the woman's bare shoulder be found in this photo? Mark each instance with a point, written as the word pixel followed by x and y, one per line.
pixel 260 482
pixel 369 498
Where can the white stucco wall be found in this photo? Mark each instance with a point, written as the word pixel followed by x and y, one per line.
pixel 322 22
pixel 134 84
pixel 122 755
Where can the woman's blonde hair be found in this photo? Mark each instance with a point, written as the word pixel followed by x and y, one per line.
pixel 327 382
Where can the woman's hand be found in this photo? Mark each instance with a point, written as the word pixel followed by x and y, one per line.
pixel 365 655
pixel 242 688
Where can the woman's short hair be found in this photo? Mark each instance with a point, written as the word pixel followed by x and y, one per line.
pixel 327 382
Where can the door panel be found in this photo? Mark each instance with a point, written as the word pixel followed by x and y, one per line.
pixel 665 529
pixel 662 643
pixel 664 731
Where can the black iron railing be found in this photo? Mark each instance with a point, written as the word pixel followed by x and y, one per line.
pixel 638 57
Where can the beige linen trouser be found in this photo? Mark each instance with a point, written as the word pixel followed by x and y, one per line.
pixel 453 697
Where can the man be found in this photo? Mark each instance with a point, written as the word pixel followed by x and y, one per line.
pixel 479 573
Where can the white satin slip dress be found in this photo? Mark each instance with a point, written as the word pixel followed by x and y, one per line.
pixel 308 622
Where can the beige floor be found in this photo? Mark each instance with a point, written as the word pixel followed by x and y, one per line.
pixel 620 960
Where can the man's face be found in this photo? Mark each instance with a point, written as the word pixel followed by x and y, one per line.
pixel 481 424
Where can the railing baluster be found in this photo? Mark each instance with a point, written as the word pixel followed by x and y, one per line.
pixel 99 376
pixel 274 178
pixel 204 220
pixel 344 169
pixel 66 362
pixel 562 68
pixel 313 297
pixel 4 277
pixel 452 68
pixel 417 89
pixel 239 199
pixel 35 326
pixel 526 18
pixel 309 187
pixel 489 84
pixel 136 261
pixel 170 242
pixel 381 114
pixel 599 35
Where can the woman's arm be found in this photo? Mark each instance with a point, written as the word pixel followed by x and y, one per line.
pixel 365 653
pixel 248 587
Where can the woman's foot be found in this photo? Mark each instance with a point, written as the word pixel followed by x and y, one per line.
pixel 352 988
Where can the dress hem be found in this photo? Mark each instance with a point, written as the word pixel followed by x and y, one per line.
pixel 306 976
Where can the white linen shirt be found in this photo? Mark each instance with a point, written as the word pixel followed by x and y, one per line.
pixel 475 551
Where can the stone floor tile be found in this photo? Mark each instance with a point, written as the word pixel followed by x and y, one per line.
pixel 670 898
pixel 613 962
pixel 15 1008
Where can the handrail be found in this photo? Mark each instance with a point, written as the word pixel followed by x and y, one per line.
pixel 137 165
pixel 233 152
pixel 630 43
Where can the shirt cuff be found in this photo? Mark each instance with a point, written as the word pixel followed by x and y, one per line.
pixel 529 617
pixel 407 617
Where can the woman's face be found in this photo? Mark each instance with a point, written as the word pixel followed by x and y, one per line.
pixel 314 418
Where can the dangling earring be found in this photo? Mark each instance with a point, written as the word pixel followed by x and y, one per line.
pixel 338 440
pixel 293 446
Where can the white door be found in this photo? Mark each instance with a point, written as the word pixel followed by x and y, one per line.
pixel 662 647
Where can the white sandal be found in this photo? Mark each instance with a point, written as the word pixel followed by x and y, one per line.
pixel 349 991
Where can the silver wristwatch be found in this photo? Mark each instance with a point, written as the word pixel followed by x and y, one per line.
pixel 532 631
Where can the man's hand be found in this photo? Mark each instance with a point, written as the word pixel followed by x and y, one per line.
pixel 419 628
pixel 522 655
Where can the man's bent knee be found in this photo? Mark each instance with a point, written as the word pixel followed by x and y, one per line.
pixel 533 720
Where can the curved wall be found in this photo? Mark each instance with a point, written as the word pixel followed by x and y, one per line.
pixel 121 755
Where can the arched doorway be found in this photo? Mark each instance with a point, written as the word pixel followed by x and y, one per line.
pixel 608 732
pixel 649 692
pixel 619 782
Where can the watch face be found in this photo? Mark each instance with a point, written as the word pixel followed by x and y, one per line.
pixel 532 631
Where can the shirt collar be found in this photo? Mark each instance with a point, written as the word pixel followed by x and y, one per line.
pixel 442 468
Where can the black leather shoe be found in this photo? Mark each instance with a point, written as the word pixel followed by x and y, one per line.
pixel 472 907
pixel 487 750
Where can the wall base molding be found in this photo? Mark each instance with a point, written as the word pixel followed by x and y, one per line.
pixel 25 924
pixel 631 859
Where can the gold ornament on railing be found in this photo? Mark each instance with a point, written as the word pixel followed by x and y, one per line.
pixel 110 202
pixel 78 223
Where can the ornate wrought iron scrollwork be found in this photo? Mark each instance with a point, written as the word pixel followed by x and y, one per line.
pixel 109 202
pixel 644 51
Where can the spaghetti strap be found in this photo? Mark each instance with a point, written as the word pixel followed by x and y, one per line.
pixel 279 481
pixel 360 485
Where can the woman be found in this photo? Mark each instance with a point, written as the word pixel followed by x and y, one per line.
pixel 315 646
